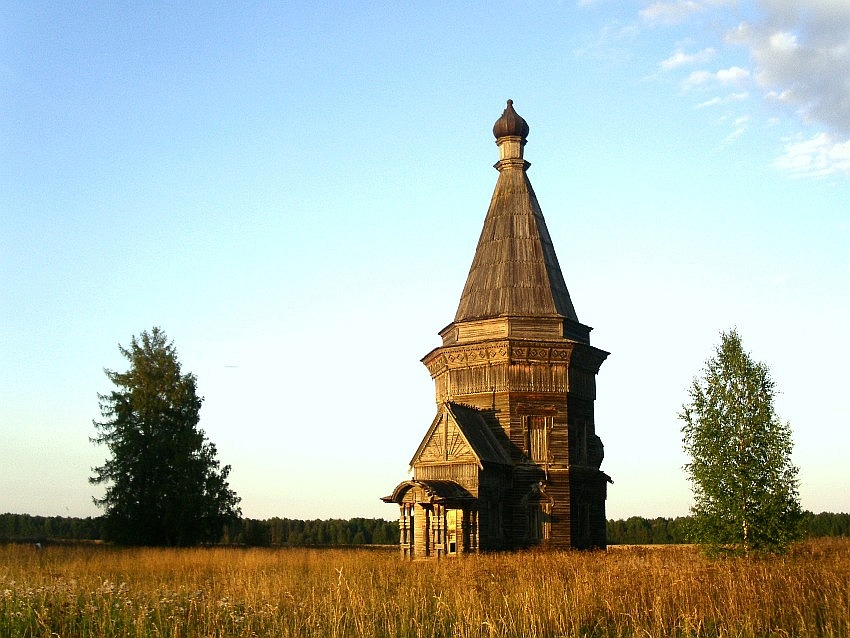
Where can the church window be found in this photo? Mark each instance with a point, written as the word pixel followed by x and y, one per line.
pixel 538 439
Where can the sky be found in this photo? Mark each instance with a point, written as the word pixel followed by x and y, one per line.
pixel 294 191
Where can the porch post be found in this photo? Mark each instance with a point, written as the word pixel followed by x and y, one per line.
pixel 421 531
pixel 405 530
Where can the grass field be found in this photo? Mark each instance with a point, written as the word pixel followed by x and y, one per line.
pixel 635 591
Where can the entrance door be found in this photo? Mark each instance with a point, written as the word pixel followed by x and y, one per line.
pixel 454 532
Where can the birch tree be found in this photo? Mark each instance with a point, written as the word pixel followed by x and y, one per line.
pixel 745 486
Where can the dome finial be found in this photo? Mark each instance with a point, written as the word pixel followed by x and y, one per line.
pixel 510 124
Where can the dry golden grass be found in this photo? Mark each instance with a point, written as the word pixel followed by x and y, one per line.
pixel 672 591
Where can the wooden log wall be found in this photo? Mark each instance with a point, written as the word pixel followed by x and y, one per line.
pixel 537 377
pixel 464 474
pixel 589 488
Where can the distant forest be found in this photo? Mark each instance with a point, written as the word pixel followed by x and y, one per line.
pixel 283 532
pixel 661 531
pixel 287 532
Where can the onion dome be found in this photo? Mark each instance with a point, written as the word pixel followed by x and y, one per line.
pixel 510 124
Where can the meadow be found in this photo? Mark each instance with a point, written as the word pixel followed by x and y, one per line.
pixel 102 591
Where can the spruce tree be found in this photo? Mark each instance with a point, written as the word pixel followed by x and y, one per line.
pixel 743 481
pixel 164 484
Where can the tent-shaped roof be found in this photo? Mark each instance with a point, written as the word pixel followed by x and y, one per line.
pixel 515 271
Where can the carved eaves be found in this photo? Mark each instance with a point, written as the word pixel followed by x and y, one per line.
pixel 498 353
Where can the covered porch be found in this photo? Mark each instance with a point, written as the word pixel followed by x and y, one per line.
pixel 437 518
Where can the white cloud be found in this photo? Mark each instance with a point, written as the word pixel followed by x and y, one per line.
pixel 783 41
pixel 712 102
pixel 739 127
pixel 796 52
pixel 818 156
pixel 697 78
pixel 785 96
pixel 802 59
pixel 732 75
pixel 670 12
pixel 727 99
pixel 680 58
pixel 612 41
pixel 739 33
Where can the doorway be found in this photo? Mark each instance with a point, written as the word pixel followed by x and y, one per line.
pixel 454 530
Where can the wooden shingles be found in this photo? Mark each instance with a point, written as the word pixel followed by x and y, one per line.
pixel 515 270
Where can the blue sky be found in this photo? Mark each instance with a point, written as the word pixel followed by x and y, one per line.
pixel 294 194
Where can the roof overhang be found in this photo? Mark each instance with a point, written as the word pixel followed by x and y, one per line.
pixel 442 492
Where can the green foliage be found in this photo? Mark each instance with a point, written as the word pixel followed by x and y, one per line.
pixel 164 485
pixel 637 530
pixel 276 532
pixel 670 531
pixel 825 524
pixel 375 531
pixel 743 481
pixel 313 533
pixel 27 528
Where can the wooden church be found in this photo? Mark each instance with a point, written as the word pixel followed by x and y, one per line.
pixel 512 458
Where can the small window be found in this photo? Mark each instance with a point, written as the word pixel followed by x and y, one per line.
pixel 538 439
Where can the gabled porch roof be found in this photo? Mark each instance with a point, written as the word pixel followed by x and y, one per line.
pixel 443 492
pixel 476 438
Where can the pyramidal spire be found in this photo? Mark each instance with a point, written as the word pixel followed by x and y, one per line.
pixel 515 271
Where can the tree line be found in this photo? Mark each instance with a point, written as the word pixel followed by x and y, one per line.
pixel 273 532
pixel 289 532
pixel 637 530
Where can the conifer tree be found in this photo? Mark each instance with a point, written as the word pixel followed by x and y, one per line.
pixel 743 481
pixel 164 484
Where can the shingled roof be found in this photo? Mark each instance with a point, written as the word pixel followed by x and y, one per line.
pixel 515 271
pixel 476 430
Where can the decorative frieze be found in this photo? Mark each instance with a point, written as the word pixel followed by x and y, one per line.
pixel 497 352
